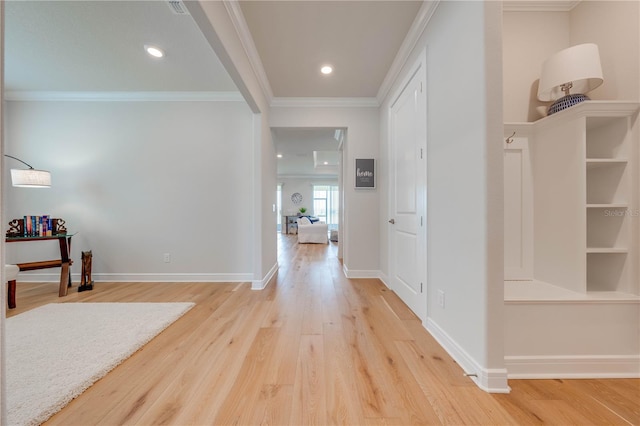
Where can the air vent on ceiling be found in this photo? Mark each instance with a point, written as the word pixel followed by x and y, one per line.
pixel 177 7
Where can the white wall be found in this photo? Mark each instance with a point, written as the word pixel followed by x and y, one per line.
pixel 361 230
pixel 268 189
pixel 218 24
pixel 305 188
pixel 137 180
pixel 531 37
pixel 615 27
pixel 464 181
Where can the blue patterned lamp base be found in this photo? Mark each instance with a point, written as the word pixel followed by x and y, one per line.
pixel 566 102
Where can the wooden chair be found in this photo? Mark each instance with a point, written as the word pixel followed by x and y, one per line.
pixel 11 273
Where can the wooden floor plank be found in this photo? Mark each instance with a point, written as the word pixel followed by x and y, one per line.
pixel 619 397
pixel 248 384
pixel 309 396
pixel 312 320
pixel 216 386
pixel 314 347
pixel 275 404
pixel 601 406
pixel 376 399
pixel 202 360
pixel 437 393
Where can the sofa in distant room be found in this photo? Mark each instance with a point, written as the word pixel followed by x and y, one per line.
pixel 312 232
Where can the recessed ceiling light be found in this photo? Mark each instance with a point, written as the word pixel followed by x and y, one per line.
pixel 326 163
pixel 279 155
pixel 156 52
pixel 326 69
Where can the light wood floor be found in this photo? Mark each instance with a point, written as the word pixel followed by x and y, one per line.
pixel 312 348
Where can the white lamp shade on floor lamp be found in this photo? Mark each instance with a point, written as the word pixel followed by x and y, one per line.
pixel 29 178
pixel 576 69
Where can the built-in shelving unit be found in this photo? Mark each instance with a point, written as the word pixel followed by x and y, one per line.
pixel 608 185
pixel 577 316
pixel 583 161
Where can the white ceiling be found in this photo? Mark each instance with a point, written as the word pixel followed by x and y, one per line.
pixel 90 45
pixel 79 46
pixel 304 151
pixel 97 46
pixel 359 39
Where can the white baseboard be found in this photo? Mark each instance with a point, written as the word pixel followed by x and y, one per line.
pixel 155 277
pixel 351 273
pixel 139 277
pixel 384 278
pixel 573 367
pixel 261 284
pixel 489 380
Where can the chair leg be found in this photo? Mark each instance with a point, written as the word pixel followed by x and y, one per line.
pixel 11 294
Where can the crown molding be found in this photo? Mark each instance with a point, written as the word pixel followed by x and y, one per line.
pixel 539 6
pixel 329 178
pixel 123 96
pixel 418 26
pixel 242 29
pixel 325 102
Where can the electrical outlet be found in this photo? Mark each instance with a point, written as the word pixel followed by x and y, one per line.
pixel 167 258
pixel 441 298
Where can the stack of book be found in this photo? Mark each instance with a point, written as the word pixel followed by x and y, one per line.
pixel 38 226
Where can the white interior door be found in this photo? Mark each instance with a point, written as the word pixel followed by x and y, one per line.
pixel 407 222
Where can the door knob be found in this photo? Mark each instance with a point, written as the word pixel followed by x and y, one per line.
pixel 392 221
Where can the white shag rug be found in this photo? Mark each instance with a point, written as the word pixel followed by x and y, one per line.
pixel 55 352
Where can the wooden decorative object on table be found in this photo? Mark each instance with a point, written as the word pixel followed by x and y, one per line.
pixel 16 228
pixel 86 283
pixel 59 226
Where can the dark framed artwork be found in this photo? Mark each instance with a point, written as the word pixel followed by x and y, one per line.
pixel 365 173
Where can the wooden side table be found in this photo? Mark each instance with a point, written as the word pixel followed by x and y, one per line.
pixel 64 242
pixel 290 223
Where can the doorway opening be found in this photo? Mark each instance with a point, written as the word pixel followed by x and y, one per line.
pixel 309 177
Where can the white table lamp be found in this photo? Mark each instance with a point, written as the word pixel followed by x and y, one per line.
pixel 575 69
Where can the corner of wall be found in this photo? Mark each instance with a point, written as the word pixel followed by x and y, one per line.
pixel 493 380
pixel 261 284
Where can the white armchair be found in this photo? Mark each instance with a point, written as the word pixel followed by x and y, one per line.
pixel 312 232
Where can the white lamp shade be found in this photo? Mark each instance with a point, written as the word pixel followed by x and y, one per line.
pixel 31 178
pixel 579 65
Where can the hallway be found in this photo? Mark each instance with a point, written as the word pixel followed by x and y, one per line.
pixel 312 348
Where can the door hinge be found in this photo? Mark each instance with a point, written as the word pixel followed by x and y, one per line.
pixel 421 153
pixel 420 87
pixel 420 220
pixel 420 287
